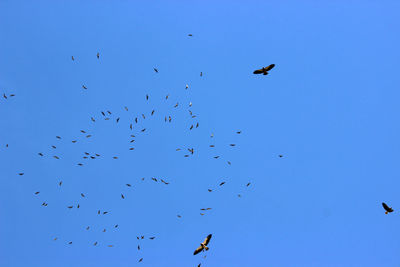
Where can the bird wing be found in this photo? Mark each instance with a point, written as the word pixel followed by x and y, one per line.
pixel 270 67
pixel 207 240
pixel 199 249
pixel 386 207
pixel 258 71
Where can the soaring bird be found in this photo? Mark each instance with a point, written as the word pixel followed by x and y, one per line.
pixel 98 55
pixel 156 70
pixel 264 70
pixel 203 246
pixel 386 207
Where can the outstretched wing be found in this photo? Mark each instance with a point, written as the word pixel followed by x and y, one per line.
pixel 258 71
pixel 199 249
pixel 270 67
pixel 207 240
pixel 386 207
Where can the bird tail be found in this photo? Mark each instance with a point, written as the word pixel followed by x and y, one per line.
pixel 386 212
pixel 206 248
pixel 265 73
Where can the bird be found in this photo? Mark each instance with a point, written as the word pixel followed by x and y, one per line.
pixel 147 97
pixel 203 246
pixel 122 196
pixel 92 119
pixel 95 243
pixel 152 237
pixel 72 57
pixel 281 156
pixel 58 137
pixel 222 183
pixel 386 207
pixel 140 259
pixel 37 193
pixel 156 70
pixel 128 185
pixel 187 86
pixel 190 34
pixel 264 70
pixel 201 74
pixel 40 154
pixel 248 184
pixel 82 195
pixel 239 132
pixel 98 55
pixel 84 87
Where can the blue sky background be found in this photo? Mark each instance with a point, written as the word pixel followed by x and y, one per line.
pixel 330 106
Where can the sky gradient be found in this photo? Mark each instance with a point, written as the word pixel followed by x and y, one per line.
pixel 330 107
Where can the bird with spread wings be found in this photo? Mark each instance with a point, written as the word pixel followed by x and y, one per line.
pixel 387 208
pixel 203 246
pixel 264 70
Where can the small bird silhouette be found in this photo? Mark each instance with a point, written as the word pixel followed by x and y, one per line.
pixel 203 246
pixel 386 207
pixel 264 70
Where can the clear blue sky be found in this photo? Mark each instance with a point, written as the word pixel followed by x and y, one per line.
pixel 330 107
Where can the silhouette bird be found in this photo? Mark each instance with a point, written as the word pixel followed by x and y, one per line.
pixel 98 55
pixel 84 87
pixel 203 246
pixel 72 57
pixel 156 70
pixel 264 70
pixel 386 207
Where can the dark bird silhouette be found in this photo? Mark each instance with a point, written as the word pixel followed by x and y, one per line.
pixel 84 87
pixel 386 207
pixel 264 70
pixel 122 196
pixel 222 183
pixel 98 55
pixel 40 154
pixel 156 70
pixel 248 184
pixel 37 193
pixel 82 195
pixel 72 57
pixel 190 35
pixel 128 185
pixel 141 259
pixel 203 246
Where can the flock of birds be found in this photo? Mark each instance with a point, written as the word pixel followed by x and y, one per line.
pixel 106 115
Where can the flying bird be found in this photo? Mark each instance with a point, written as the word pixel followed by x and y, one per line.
pixel 156 70
pixel 264 70
pixel 98 55
pixel 84 87
pixel 203 246
pixel 72 57
pixel 386 207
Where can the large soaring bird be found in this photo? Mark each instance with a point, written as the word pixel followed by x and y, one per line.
pixel 386 207
pixel 264 70
pixel 203 246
